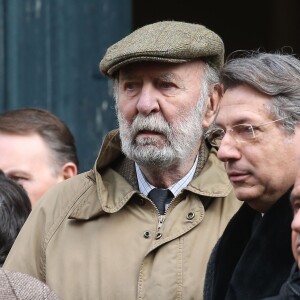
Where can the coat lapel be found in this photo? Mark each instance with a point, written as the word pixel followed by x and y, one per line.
pixel 254 263
pixel 267 260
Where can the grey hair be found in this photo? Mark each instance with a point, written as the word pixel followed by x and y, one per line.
pixel 211 75
pixel 273 74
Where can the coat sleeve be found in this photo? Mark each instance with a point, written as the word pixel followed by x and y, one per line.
pixel 28 253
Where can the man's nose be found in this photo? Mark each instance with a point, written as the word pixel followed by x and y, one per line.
pixel 148 101
pixel 228 149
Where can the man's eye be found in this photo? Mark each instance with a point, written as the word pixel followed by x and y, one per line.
pixel 243 129
pixel 247 129
pixel 18 179
pixel 166 84
pixel 130 86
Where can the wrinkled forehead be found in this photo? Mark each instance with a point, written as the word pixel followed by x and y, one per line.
pixel 243 104
pixel 161 67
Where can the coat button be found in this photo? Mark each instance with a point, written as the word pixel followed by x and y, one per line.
pixel 190 216
pixel 141 202
pixel 158 236
pixel 147 234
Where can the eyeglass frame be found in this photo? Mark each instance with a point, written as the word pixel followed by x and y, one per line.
pixel 231 130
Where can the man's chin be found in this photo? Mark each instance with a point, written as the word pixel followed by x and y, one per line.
pixel 246 194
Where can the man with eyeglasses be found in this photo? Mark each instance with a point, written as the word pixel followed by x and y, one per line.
pixel 258 138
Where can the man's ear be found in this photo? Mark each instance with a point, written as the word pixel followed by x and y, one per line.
pixel 212 105
pixel 68 170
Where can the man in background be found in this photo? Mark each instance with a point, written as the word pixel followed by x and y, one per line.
pixel 258 136
pixel 37 150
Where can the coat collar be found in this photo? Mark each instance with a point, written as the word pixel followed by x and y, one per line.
pixel 291 289
pixel 116 181
pixel 253 263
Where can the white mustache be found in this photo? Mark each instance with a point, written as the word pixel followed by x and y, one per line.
pixel 151 122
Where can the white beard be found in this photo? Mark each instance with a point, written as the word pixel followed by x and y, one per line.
pixel 180 137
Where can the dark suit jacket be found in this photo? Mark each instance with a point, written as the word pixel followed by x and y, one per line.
pixel 290 290
pixel 253 258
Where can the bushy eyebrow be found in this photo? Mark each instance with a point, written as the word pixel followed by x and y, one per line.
pixel 127 76
pixel 17 173
pixel 171 77
pixel 239 121
pixel 168 77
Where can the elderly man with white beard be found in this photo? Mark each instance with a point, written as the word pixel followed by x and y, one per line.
pixel 142 223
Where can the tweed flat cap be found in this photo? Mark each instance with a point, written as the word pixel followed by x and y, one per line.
pixel 166 41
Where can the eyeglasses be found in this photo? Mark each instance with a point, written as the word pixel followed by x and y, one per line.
pixel 240 132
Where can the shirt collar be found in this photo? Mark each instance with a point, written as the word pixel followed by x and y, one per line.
pixel 145 187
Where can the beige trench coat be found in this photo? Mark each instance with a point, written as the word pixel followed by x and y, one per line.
pixel 94 236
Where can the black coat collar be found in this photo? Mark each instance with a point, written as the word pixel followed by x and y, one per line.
pixel 252 264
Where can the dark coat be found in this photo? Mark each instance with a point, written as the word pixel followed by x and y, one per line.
pixel 253 258
pixel 290 290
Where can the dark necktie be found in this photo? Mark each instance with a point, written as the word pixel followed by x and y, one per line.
pixel 160 198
